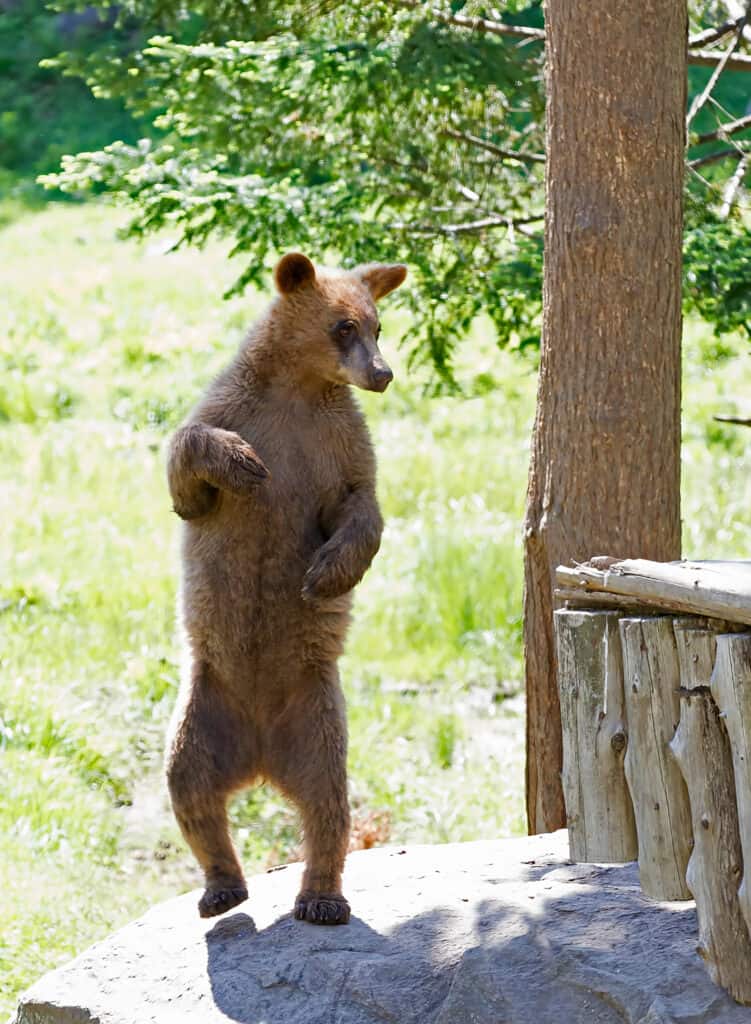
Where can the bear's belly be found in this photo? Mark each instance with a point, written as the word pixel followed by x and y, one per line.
pixel 243 571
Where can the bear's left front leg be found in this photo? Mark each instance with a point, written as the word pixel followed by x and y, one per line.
pixel 339 564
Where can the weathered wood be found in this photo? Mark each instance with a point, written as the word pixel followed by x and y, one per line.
pixel 702 751
pixel 633 608
pixel 571 598
pixel 590 678
pixel 731 689
pixel 721 590
pixel 651 678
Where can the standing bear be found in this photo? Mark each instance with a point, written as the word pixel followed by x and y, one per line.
pixel 274 475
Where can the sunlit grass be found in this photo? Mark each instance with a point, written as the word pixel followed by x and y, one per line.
pixel 716 456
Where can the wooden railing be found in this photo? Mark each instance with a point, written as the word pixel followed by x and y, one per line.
pixel 656 716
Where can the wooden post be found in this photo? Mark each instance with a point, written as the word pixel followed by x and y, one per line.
pixel 702 751
pixel 731 689
pixel 663 815
pixel 590 678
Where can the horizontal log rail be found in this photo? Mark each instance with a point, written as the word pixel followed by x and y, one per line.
pixel 718 589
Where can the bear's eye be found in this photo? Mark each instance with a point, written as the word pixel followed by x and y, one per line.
pixel 345 329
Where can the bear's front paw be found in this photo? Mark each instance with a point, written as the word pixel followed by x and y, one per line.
pixel 245 469
pixel 323 579
pixel 322 908
pixel 217 901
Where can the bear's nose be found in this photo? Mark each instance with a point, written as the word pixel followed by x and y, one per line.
pixel 382 377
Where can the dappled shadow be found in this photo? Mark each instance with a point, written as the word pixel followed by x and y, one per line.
pixel 597 951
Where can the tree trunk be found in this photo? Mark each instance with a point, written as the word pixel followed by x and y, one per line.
pixel 605 465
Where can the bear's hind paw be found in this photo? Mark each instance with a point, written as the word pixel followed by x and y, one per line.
pixel 320 908
pixel 217 901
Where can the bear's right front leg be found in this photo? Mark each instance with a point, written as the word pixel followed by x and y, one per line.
pixel 204 460
pixel 355 536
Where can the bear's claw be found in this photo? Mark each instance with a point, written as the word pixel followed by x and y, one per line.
pixel 245 471
pixel 322 909
pixel 217 901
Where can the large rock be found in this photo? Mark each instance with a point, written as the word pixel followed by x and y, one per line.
pixel 508 932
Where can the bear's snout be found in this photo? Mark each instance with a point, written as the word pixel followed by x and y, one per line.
pixel 381 376
pixel 381 379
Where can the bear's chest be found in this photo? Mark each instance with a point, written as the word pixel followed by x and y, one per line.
pixel 308 459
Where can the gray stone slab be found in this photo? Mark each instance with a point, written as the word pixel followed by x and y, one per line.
pixel 508 932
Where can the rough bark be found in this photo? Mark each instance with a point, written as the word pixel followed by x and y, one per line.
pixel 605 463
pixel 598 806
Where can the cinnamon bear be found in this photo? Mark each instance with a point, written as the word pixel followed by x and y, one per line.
pixel 274 475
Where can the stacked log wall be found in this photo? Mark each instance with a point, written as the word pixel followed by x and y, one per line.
pixel 656 714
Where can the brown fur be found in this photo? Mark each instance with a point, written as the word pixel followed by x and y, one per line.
pixel 275 476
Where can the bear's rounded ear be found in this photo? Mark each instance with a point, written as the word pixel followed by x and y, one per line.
pixel 293 271
pixel 382 278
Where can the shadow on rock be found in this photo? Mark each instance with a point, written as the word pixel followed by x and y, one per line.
pixel 298 973
pixel 568 943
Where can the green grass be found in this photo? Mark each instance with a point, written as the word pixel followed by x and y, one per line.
pixel 104 345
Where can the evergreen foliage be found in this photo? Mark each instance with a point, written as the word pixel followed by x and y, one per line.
pixel 44 115
pixel 361 131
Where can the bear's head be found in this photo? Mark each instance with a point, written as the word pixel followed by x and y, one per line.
pixel 330 317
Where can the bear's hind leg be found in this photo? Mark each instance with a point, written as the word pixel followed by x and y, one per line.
pixel 308 761
pixel 206 832
pixel 208 760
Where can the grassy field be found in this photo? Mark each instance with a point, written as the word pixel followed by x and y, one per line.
pixel 104 345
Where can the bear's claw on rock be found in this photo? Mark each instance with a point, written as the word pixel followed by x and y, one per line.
pixel 217 901
pixel 322 909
